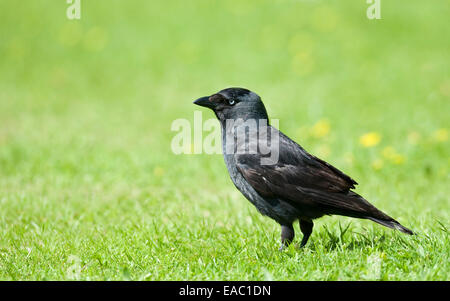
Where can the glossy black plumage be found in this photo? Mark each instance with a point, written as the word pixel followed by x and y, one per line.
pixel 298 186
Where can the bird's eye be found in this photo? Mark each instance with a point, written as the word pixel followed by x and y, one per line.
pixel 231 102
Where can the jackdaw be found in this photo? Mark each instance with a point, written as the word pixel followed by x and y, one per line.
pixel 285 183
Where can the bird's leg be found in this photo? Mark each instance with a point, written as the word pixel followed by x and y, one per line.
pixel 306 227
pixel 287 236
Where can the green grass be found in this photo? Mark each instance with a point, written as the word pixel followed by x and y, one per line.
pixel 89 187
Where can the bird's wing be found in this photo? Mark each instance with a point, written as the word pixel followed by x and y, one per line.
pixel 295 167
pixel 306 184
pixel 306 180
pixel 285 182
pixel 333 178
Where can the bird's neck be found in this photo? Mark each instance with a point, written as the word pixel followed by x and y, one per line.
pixel 239 135
pixel 244 121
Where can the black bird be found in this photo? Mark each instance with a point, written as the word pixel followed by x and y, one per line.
pixel 298 185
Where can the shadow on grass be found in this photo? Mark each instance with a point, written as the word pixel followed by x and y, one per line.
pixel 345 239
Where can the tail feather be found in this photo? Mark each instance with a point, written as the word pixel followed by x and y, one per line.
pixel 353 205
pixel 393 224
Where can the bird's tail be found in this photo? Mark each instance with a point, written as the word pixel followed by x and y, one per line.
pixel 393 224
pixel 353 205
pixel 370 212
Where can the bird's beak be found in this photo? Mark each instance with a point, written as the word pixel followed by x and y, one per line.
pixel 205 102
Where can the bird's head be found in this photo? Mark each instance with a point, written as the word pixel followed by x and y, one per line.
pixel 234 103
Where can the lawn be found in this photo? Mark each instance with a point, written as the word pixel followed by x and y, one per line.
pixel 91 190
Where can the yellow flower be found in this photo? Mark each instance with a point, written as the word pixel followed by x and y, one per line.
pixel 370 139
pixel 321 128
pixel 377 164
pixel 391 154
pixel 440 135
pixel 398 159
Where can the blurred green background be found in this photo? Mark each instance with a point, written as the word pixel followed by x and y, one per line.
pixel 89 186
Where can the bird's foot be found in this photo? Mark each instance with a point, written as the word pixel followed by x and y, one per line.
pixel 282 248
